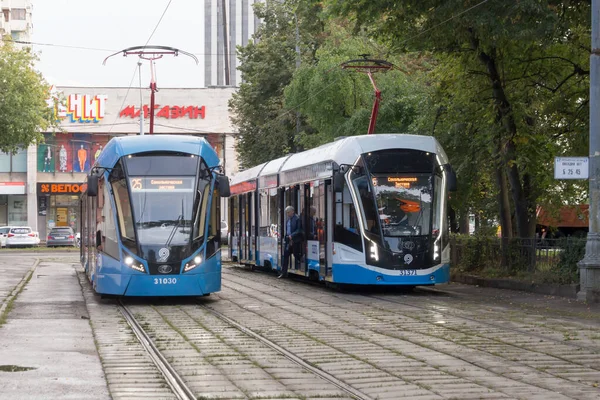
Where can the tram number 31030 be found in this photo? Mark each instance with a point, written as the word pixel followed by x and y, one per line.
pixel 165 281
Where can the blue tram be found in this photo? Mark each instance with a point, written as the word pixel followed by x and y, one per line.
pixel 372 211
pixel 151 217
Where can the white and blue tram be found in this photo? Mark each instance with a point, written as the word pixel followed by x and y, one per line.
pixel 373 211
pixel 151 217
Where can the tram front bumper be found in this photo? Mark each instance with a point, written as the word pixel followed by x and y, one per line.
pixel 159 285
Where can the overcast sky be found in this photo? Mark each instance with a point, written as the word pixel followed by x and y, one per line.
pixel 115 25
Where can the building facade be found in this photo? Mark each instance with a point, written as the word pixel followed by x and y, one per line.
pixel 240 23
pixel 16 19
pixel 40 186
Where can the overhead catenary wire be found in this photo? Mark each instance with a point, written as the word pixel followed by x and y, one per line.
pixel 135 70
pixel 158 23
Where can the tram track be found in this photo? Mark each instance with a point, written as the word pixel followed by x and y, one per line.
pixel 435 308
pixel 438 333
pixel 349 389
pixel 176 383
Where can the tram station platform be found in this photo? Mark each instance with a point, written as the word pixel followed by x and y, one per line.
pixel 47 346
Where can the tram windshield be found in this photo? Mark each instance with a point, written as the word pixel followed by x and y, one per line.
pixel 163 191
pixel 404 203
pixel 162 208
pixel 400 194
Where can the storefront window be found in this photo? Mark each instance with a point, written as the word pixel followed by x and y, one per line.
pixel 17 210
pixel 19 161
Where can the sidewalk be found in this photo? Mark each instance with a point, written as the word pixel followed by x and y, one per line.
pixel 48 334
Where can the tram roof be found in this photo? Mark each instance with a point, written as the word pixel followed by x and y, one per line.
pixel 347 150
pixel 247 174
pixel 342 151
pixel 125 145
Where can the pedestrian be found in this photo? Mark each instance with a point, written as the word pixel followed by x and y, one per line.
pixel 292 239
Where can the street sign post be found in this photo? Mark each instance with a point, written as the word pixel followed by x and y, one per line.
pixel 571 168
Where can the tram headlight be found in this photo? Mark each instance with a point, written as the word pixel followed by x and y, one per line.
pixel 130 262
pixel 192 264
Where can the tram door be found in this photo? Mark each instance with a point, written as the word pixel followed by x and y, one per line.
pixel 328 231
pixel 251 223
pixel 243 229
pixel 290 198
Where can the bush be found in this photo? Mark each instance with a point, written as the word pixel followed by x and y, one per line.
pixel 572 252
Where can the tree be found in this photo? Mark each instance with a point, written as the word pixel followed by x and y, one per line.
pixel 24 111
pixel 338 102
pixel 511 88
pixel 267 130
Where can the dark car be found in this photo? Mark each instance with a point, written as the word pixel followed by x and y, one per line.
pixel 61 237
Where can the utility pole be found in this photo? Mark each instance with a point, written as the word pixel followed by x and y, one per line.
pixel 589 267
pixel 141 99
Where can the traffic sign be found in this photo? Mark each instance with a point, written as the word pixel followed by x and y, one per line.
pixel 571 168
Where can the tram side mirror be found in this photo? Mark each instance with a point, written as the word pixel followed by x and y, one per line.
pixel 92 185
pixel 338 182
pixel 452 185
pixel 223 183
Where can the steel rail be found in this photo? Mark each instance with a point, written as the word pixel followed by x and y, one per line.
pixel 180 389
pixel 352 391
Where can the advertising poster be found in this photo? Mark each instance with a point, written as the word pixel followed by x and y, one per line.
pixel 46 157
pixel 63 157
pixel 81 152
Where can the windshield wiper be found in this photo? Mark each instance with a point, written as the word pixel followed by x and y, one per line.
pixel 172 234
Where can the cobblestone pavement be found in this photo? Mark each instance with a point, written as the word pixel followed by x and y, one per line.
pixel 449 343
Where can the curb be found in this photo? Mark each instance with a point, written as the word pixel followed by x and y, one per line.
pixel 569 291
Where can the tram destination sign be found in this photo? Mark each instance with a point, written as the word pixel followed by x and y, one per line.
pixel 161 184
pixel 571 168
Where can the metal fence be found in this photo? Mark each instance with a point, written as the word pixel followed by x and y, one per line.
pixel 472 253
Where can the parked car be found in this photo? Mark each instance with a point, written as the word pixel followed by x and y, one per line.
pixel 224 233
pixel 21 236
pixel 62 236
pixel 4 235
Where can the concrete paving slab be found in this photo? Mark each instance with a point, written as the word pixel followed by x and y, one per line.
pixel 48 330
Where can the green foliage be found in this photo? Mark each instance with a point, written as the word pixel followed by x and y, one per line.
pixel 338 102
pixel 24 111
pixel 266 128
pixel 510 89
pixel 573 250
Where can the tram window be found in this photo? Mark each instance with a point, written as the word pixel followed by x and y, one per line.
pixel 369 213
pixel 107 228
pixel 235 226
pixel 201 212
pixel 124 216
pixel 273 213
pixel 317 200
pixel 347 232
pixel 264 214
pixel 214 224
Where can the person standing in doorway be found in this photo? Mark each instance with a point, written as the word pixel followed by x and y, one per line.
pixel 293 236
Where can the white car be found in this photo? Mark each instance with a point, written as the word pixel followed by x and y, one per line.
pixel 4 235
pixel 21 236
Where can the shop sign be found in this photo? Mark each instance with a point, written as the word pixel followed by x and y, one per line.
pixel 61 188
pixel 169 112
pixel 12 187
pixel 83 108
